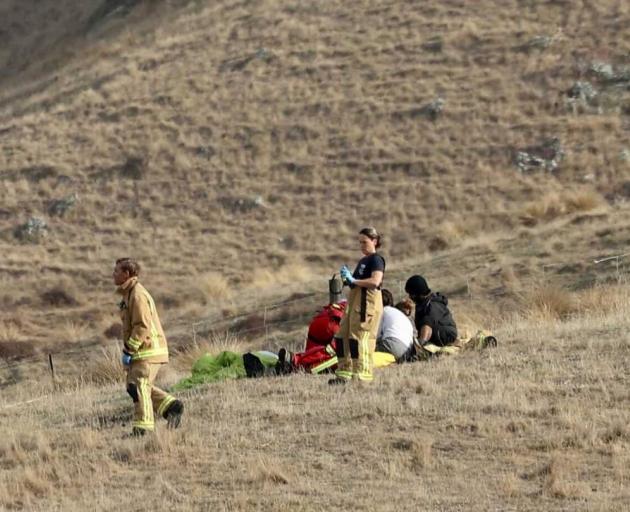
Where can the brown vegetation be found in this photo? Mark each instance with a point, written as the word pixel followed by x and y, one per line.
pixel 235 149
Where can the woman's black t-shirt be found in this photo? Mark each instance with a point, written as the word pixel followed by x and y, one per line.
pixel 371 263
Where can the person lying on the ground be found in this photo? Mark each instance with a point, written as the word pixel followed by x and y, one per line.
pixel 433 319
pixel 228 365
pixel 395 334
pixel 320 355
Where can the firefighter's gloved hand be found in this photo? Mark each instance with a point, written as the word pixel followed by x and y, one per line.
pixel 346 275
pixel 126 359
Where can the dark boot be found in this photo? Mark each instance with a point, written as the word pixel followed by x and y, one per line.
pixel 489 342
pixel 173 414
pixel 284 366
pixel 135 433
pixel 337 381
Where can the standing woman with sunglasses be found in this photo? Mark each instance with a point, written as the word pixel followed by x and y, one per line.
pixel 356 338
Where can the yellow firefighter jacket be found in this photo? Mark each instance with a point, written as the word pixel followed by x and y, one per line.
pixel 141 328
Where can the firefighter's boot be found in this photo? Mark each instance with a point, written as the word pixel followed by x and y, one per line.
pixel 173 414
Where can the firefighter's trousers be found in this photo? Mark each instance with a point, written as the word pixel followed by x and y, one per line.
pixel 146 397
pixel 356 338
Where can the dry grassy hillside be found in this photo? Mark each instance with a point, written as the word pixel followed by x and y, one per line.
pixel 541 423
pixel 235 148
pixel 243 144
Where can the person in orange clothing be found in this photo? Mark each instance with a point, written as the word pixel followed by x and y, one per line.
pixel 145 351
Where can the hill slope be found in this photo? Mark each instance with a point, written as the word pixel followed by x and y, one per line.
pixel 541 423
pixel 235 148
pixel 229 138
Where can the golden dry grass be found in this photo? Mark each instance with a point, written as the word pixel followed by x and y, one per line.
pixel 236 149
pixel 538 423
pixel 199 134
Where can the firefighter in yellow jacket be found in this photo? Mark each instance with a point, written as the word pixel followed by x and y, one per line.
pixel 356 338
pixel 145 351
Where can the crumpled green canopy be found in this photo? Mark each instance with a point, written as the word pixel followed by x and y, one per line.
pixel 225 365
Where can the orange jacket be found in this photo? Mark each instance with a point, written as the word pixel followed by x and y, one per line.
pixel 141 328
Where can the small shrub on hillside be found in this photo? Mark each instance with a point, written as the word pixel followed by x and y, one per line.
pixel 59 207
pixel 434 45
pixel 37 173
pixel 108 10
pixel 447 233
pixel 537 43
pixel 32 231
pixel 59 296
pixel 134 168
pixel 114 331
pixel 16 349
pixel 437 243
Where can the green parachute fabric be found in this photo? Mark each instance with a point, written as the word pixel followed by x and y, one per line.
pixel 226 365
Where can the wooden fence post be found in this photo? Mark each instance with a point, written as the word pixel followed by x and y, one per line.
pixel 52 368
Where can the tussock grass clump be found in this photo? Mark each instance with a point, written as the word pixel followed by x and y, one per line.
pixel 214 287
pixel 583 201
pixel 10 330
pixel 285 275
pixel 13 349
pixel 510 486
pixel 214 344
pixel 269 472
pixel 60 293
pixel 72 331
pixel 549 301
pixel 420 452
pixel 603 299
pixel 561 478
pixel 554 205
pixel 104 368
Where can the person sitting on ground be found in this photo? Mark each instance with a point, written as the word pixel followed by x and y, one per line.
pixel 433 319
pixel 395 335
pixel 407 307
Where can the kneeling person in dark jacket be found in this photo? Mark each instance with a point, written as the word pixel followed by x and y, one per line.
pixel 433 319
